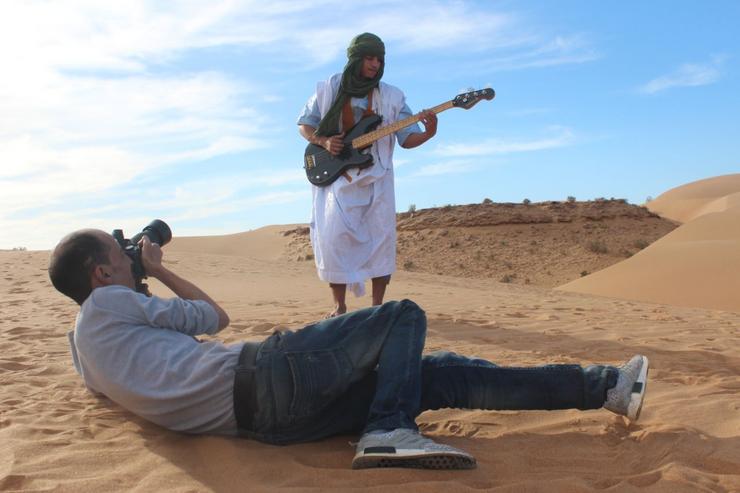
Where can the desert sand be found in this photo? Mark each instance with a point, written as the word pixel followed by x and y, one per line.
pixel 673 298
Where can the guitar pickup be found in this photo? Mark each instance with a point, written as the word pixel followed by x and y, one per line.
pixel 310 162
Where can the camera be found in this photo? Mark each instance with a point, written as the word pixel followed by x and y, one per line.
pixel 158 232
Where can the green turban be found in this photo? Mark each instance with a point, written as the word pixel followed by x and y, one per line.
pixel 353 85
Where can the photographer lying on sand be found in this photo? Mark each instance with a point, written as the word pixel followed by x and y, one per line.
pixel 362 372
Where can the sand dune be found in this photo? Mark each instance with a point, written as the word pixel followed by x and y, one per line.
pixel 697 264
pixel 689 201
pixel 263 243
pixel 54 435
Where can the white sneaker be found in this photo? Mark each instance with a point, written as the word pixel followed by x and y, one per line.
pixel 408 448
pixel 627 396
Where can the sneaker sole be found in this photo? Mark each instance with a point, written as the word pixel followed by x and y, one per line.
pixel 638 397
pixel 425 461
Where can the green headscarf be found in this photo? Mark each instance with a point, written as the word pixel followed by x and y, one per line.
pixel 353 85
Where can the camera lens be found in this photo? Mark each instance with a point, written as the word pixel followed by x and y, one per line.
pixel 157 231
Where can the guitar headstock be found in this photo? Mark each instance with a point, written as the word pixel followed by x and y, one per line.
pixel 469 99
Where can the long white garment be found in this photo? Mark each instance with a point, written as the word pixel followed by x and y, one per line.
pixel 353 224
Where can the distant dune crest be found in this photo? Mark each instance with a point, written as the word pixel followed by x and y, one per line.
pixel 687 202
pixel 696 265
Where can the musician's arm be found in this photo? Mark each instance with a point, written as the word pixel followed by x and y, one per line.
pixel 415 140
pixel 309 133
pixel 429 119
pixel 332 144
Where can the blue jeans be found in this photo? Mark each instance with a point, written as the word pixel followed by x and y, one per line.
pixel 364 371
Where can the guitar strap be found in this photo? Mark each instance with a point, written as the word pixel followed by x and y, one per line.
pixel 348 119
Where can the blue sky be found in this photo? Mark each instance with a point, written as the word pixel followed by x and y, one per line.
pixel 116 113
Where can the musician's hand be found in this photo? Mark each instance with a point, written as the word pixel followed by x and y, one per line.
pixel 334 144
pixel 429 119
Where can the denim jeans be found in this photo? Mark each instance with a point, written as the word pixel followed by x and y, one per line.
pixel 364 371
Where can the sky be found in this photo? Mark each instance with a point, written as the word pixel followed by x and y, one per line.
pixel 116 113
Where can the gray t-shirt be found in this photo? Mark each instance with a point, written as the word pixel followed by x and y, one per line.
pixel 138 352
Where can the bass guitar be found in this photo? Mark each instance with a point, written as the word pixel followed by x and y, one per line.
pixel 323 168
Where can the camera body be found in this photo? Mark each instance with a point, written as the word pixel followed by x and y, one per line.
pixel 158 232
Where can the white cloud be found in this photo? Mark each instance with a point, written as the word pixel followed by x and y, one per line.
pixel 35 175
pixel 538 51
pixel 687 75
pixel 67 136
pixel 563 137
pixel 440 26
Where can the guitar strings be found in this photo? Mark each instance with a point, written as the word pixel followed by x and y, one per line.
pixel 323 152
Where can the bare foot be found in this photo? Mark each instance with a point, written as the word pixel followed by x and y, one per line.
pixel 338 310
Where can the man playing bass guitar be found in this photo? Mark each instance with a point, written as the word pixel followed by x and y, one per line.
pixel 353 219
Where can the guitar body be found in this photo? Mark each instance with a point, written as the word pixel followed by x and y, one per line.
pixel 323 169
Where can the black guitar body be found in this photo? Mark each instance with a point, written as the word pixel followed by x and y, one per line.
pixel 323 169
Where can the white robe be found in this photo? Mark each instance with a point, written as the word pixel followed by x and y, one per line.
pixel 353 224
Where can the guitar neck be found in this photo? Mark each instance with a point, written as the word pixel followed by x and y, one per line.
pixel 370 137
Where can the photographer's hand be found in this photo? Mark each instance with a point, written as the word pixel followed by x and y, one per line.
pixel 151 259
pixel 151 256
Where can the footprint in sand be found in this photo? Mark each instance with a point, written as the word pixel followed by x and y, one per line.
pixel 646 479
pixel 263 328
pixel 469 321
pixel 552 332
pixel 516 315
pixel 13 482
